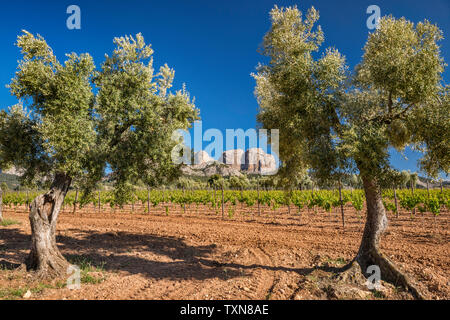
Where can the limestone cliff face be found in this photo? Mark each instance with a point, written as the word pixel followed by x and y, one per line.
pixel 202 157
pixel 257 161
pixel 207 169
pixel 14 171
pixel 233 158
pixel 232 163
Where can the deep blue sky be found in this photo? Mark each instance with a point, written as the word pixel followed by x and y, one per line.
pixel 212 45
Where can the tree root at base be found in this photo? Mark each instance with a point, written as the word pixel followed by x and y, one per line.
pixel 353 272
pixel 52 267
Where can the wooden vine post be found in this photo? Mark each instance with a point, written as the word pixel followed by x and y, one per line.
pixel 184 202
pixel 215 198
pixel 259 205
pixel 1 204
pixel 99 203
pixel 223 209
pixel 342 204
pixel 75 202
pixel 396 202
pixel 148 200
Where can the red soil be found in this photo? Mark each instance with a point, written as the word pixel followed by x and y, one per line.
pixel 197 255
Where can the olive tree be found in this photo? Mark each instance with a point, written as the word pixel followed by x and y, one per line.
pixel 414 178
pixel 239 183
pixel 332 121
pixel 405 177
pixel 74 122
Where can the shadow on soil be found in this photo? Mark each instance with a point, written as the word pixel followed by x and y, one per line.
pixel 15 248
pixel 120 251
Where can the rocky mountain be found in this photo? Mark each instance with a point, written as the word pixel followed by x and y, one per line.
pixel 422 183
pixel 257 161
pixel 233 158
pixel 207 169
pixel 202 157
pixel 13 171
pixel 232 163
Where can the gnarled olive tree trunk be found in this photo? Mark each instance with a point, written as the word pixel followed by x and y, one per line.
pixel 376 224
pixel 44 257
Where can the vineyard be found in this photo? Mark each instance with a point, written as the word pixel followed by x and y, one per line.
pixel 185 248
pixel 232 201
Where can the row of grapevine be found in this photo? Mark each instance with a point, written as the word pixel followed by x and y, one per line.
pixel 327 200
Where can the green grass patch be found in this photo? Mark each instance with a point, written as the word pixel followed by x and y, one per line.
pixel 41 286
pixel 378 294
pixel 86 267
pixel 312 278
pixel 18 293
pixel 340 261
pixel 8 222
